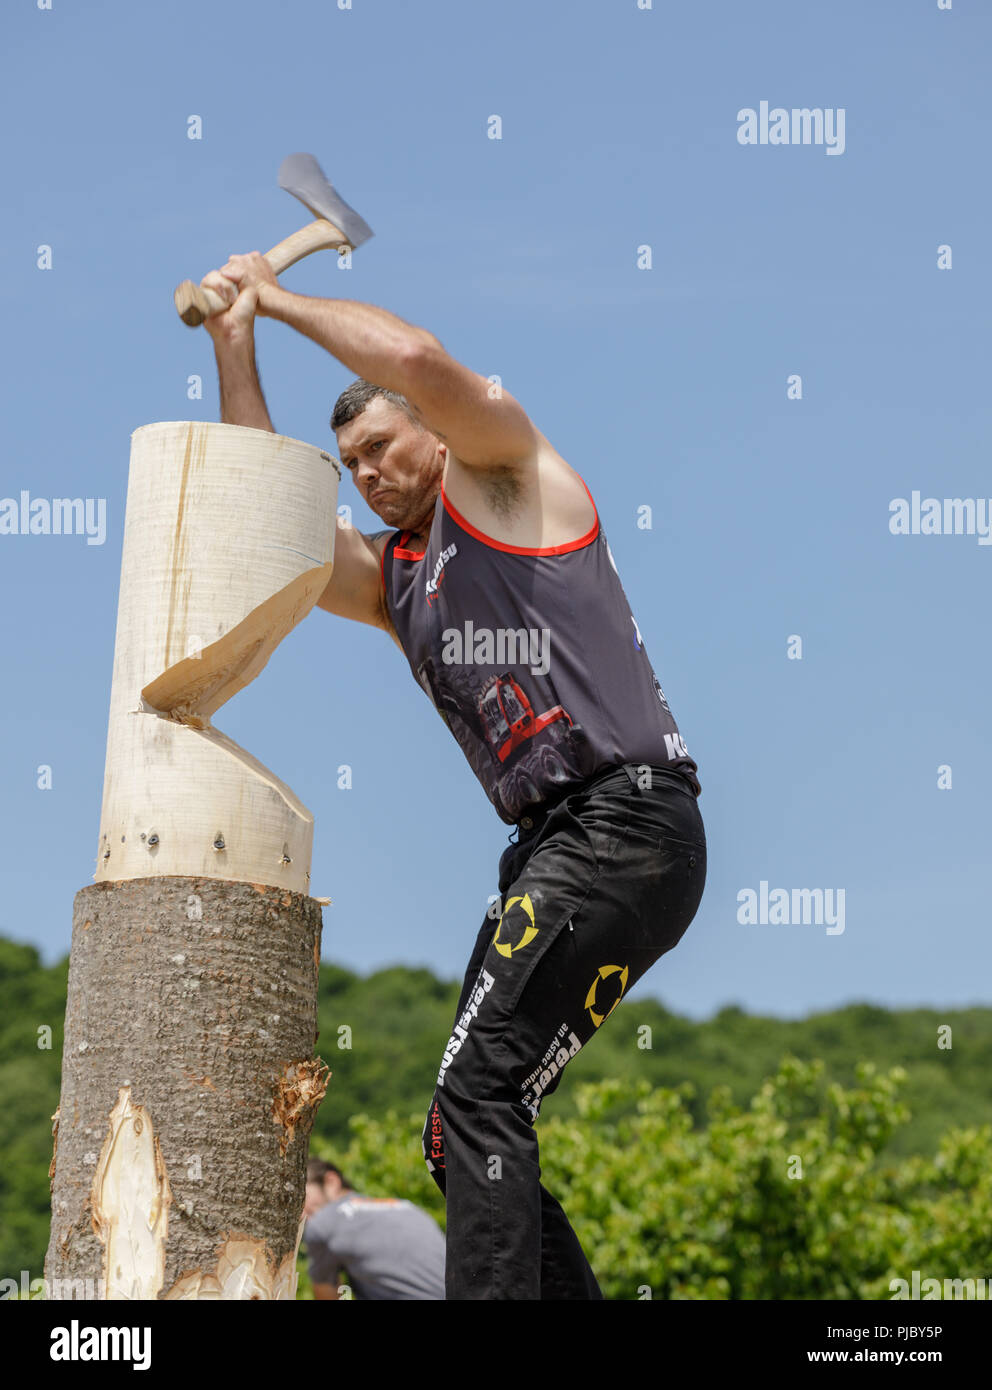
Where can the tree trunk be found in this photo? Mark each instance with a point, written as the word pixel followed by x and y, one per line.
pixel 189 1083
pixel 188 1090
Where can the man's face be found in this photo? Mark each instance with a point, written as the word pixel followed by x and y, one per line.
pixel 396 465
pixel 316 1198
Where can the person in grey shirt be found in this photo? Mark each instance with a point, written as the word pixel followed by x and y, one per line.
pixel 388 1247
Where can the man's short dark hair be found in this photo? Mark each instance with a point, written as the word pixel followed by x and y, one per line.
pixel 353 400
pixel 318 1169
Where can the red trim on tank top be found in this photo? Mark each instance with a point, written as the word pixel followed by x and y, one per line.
pixel 407 554
pixel 466 525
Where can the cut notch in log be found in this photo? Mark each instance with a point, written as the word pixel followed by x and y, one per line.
pixel 228 544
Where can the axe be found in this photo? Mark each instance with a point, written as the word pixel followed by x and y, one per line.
pixel 337 226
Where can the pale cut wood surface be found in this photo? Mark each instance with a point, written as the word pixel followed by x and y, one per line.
pixel 228 544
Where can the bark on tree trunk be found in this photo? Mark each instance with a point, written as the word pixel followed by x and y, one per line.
pixel 188 1090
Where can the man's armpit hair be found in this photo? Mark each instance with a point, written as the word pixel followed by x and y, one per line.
pixel 503 489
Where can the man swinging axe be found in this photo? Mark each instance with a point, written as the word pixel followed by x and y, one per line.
pixel 495 580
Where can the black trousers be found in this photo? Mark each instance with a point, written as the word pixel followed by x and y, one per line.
pixel 592 893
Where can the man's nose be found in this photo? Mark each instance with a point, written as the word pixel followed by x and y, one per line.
pixel 366 475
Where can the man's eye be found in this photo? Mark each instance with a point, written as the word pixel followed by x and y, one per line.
pixel 377 444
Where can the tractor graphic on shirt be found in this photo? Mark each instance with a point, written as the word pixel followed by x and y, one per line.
pixel 534 764
pixel 509 717
pixel 519 756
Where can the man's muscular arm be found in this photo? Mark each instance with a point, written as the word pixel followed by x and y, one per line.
pixel 453 402
pixel 233 332
pixel 241 399
pixel 354 589
pixel 355 586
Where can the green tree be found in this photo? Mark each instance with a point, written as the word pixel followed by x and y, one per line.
pixel 788 1198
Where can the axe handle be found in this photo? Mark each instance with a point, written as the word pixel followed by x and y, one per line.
pixel 194 303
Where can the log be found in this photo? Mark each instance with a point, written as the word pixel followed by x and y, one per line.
pixel 188 1088
pixel 189 1080
pixel 228 544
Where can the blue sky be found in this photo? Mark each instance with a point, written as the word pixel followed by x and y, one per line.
pixel 665 387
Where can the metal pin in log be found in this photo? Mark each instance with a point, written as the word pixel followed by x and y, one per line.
pixel 338 227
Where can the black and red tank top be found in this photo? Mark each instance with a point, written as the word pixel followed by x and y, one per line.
pixel 531 656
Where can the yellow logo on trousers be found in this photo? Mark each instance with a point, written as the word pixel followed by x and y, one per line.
pixel 603 973
pixel 507 948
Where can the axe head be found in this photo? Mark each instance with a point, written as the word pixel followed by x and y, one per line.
pixel 301 175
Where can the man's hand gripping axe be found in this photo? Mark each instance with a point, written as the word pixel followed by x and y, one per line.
pixel 337 226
